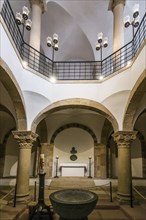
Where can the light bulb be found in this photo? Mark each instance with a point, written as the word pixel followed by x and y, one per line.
pixel 97 46
pixel 127 21
pixel 49 41
pixel 105 42
pixel 55 38
pixel 135 10
pixel 25 12
pixel 19 18
pixel 100 35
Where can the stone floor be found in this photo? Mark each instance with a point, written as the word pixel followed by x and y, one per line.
pixel 105 209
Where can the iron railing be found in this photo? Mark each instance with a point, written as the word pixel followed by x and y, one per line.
pixel 72 70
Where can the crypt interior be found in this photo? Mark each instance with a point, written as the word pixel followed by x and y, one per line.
pixel 79 100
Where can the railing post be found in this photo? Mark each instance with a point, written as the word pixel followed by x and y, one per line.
pixel 14 205
pixel 131 196
pixel 111 197
pixel 34 191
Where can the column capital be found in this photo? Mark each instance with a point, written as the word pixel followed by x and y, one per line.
pixel 25 139
pixel 114 3
pixel 124 138
pixel 41 3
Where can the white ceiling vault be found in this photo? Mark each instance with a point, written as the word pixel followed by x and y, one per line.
pixel 77 22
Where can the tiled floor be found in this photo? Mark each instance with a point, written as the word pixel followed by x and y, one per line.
pixel 105 210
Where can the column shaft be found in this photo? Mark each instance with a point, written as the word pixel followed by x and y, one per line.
pixel 38 7
pixel 124 139
pixel 23 172
pixel 124 172
pixel 25 140
pixel 118 34
pixel 35 34
pixel 117 7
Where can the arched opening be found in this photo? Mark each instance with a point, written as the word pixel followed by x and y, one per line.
pixel 75 123
pixel 135 119
pixel 12 117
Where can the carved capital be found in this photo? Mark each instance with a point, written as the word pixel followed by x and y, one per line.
pixel 114 3
pixel 25 139
pixel 41 3
pixel 124 138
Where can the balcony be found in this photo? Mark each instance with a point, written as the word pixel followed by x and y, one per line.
pixel 73 70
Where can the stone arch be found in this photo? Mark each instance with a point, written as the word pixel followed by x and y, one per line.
pixel 76 103
pixel 11 85
pixel 74 125
pixel 133 102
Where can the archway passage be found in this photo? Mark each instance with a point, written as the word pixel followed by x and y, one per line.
pixel 135 119
pixel 76 104
pixel 70 123
pixel 12 117
pixel 136 103
pixel 10 85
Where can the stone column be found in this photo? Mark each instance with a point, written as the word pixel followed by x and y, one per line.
pixel 117 7
pixel 100 168
pixel 38 7
pixel 47 149
pixel 25 140
pixel 123 140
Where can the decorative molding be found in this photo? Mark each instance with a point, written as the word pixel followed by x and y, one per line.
pixel 114 3
pixel 124 138
pixel 74 125
pixel 25 139
pixel 41 3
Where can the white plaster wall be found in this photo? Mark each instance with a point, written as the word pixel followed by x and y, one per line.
pixel 100 92
pixel 35 102
pixel 73 137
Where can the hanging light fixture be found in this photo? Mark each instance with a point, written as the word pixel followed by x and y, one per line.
pixel 22 19
pixel 136 19
pixel 53 43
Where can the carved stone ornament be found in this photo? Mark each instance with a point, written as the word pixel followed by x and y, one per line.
pixel 41 3
pixel 124 138
pixel 114 3
pixel 25 139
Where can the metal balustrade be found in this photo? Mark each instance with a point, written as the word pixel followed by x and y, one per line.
pixel 72 70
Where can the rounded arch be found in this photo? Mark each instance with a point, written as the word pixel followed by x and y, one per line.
pixel 11 85
pixel 76 103
pixel 133 103
pixel 74 125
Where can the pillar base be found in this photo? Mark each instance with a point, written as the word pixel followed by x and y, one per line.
pixel 125 199
pixel 23 198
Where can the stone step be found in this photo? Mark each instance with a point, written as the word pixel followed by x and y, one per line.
pixel 137 212
pixel 106 204
pixel 72 182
